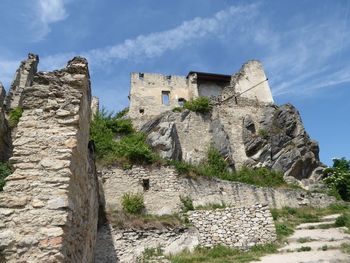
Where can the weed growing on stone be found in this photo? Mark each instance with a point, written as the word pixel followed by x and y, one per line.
pixel 187 204
pixel 130 148
pixel 200 105
pixel 133 203
pixel 223 254
pixel 14 116
pixel 123 220
pixel 302 249
pixel 345 247
pixel 4 172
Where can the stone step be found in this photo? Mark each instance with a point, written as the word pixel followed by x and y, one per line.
pixel 314 245
pixel 331 234
pixel 330 218
pixel 314 225
pixel 330 256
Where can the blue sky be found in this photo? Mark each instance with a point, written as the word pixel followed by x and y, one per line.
pixel 304 46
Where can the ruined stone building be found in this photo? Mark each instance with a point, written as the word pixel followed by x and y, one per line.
pixel 55 205
pixel 152 94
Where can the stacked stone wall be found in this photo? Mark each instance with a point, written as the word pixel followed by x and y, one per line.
pixel 165 187
pixel 242 227
pixel 49 207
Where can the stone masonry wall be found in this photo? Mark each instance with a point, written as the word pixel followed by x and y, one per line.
pixel 128 245
pixel 165 187
pixel 48 210
pixel 242 227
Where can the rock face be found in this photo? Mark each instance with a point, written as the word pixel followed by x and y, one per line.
pixel 49 207
pixel 187 136
pixel 245 132
pixel 281 143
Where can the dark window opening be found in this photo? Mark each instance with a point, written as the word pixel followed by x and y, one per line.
pixel 141 75
pixel 168 77
pixel 181 102
pixel 236 101
pixel 145 184
pixel 166 98
pixel 142 111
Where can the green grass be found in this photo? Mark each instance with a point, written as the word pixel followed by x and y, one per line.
pixel 345 247
pixel 222 254
pixel 200 105
pixel 302 249
pixel 5 171
pixel 211 206
pixel 286 219
pixel 215 166
pixel 186 203
pixel 14 116
pixel 123 220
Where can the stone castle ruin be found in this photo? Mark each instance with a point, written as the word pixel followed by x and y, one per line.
pixel 53 207
pixel 153 94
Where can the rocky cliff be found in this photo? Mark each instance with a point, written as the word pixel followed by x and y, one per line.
pixel 246 132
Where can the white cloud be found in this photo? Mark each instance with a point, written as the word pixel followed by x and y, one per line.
pixel 156 44
pixel 48 12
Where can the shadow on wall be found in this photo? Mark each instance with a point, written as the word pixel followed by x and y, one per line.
pixel 105 251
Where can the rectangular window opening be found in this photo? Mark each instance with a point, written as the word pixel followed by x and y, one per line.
pixel 166 98
pixel 145 184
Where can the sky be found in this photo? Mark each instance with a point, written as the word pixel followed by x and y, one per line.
pixel 304 46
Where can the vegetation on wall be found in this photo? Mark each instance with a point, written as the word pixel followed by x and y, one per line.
pixel 216 166
pixel 14 116
pixel 117 142
pixel 4 172
pixel 200 105
pixel 338 179
pixel 133 203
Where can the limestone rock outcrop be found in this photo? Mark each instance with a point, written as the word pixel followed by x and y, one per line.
pixel 246 133
pixel 281 143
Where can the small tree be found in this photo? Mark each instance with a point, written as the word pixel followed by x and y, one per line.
pixel 338 178
pixel 201 105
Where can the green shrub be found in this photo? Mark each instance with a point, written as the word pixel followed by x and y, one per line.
pixel 338 179
pixel 343 220
pixel 263 133
pixel 302 249
pixel 201 105
pixel 134 148
pixel 259 176
pixel 178 109
pixel 187 203
pixel 14 116
pixel 283 230
pixel 122 113
pixel 4 172
pixel 133 203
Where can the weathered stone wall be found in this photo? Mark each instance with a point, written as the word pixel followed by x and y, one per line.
pixel 128 245
pixel 165 187
pixel 146 94
pixel 49 207
pixel 251 82
pixel 242 227
pixel 23 78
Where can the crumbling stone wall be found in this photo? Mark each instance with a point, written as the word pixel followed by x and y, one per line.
pixel 165 187
pixel 49 207
pixel 128 245
pixel 241 227
pixel 23 78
